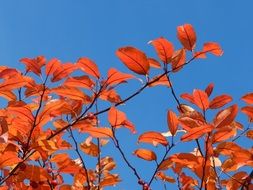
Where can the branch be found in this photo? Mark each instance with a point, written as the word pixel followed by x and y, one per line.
pixel 80 156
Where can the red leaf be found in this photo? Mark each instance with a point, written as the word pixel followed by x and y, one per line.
pixel 34 65
pixel 209 47
pixel 226 116
pixel 201 99
pixel 187 36
pixel 172 122
pixel 134 59
pixel 163 48
pixel 220 101
pixel 116 77
pixel 153 137
pixel 248 110
pixel 196 132
pixel 81 81
pixel 116 118
pixel 209 89
pixel 52 66
pixel 154 63
pixel 248 98
pixel 145 154
pixel 61 71
pixel 223 134
pixel 161 81
pixel 89 67
pixel 101 132
pixel 188 97
pixel 178 60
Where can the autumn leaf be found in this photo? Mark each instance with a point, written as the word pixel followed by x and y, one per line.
pixel 153 137
pixel 81 81
pixel 201 99
pixel 159 80
pixel 196 132
pixel 134 59
pixel 223 134
pixel 60 71
pixel 13 83
pixel 209 47
pixel 220 101
pixel 101 132
pixel 3 130
pixel 52 66
pixel 72 93
pixel 163 177
pixel 248 98
pixel 9 158
pixel 89 148
pixel 145 154
pixel 88 66
pixel 36 173
pixel 164 49
pixel 209 89
pixel 34 65
pixel 115 77
pixel 249 134
pixel 110 180
pixel 226 116
pixel 248 110
pixel 188 97
pixel 178 60
pixel 172 122
pixel 187 36
pixel 110 95
pixel 154 63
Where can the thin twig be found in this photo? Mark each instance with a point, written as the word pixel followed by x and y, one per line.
pixel 117 145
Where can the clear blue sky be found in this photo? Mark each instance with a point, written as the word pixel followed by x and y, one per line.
pixel 71 29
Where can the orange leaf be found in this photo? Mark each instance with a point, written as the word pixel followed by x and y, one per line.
pixel 134 59
pixel 61 71
pixel 72 93
pixel 188 97
pixel 101 132
pixel 226 116
pixel 201 99
pixel 145 154
pixel 52 66
pixel 161 81
pixel 9 158
pixel 110 95
pixel 36 173
pixel 248 110
pixel 88 147
pixel 209 89
pixel 34 65
pixel 196 132
pixel 164 177
pixel 154 63
pixel 153 137
pixel 248 98
pixel 116 77
pixel 116 118
pixel 223 134
pixel 178 60
pixel 88 66
pixel 23 112
pixel 110 180
pixel 220 101
pixel 249 134
pixel 209 47
pixel 172 122
pixel 13 83
pixel 81 81
pixel 8 95
pixel 163 48
pixel 167 163
pixel 3 130
pixel 187 36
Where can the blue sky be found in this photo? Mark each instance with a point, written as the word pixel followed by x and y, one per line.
pixel 72 29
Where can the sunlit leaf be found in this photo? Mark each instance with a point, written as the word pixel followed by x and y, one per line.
pixel 101 132
pixel 223 134
pixel 248 98
pixel 154 63
pixel 134 59
pixel 201 99
pixel 196 132
pixel 187 36
pixel 178 60
pixel 88 66
pixel 209 47
pixel 172 122
pixel 81 81
pixel 36 173
pixel 117 77
pixel 110 180
pixel 89 147
pixel 209 89
pixel 160 80
pixel 220 101
pixel 34 65
pixel 164 49
pixel 145 154
pixel 226 116
pixel 164 177
pixel 249 134
pixel 9 158
pixel 153 137
pixel 61 71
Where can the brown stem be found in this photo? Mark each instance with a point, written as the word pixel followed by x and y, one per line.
pixel 117 145
pixel 80 156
